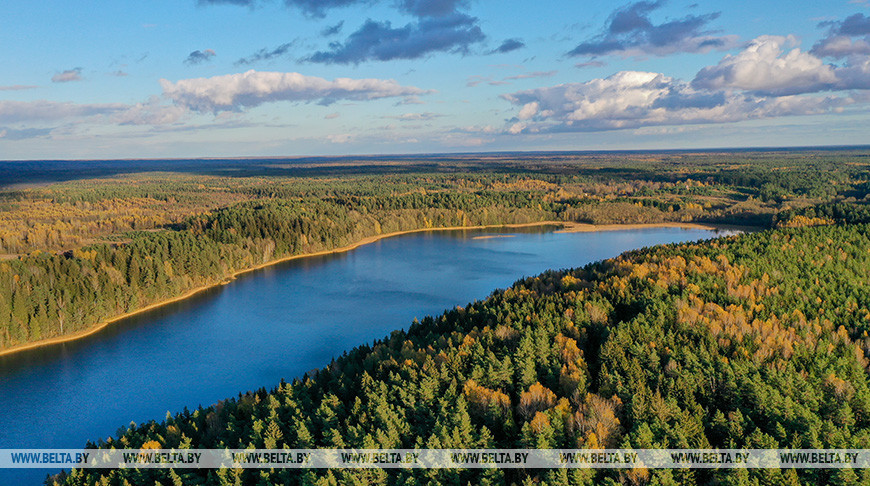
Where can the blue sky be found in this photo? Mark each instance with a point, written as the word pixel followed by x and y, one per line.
pixel 191 78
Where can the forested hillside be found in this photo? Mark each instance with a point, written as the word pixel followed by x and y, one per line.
pixel 44 294
pixel 74 254
pixel 756 341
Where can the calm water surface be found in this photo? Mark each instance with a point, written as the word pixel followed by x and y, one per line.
pixel 267 325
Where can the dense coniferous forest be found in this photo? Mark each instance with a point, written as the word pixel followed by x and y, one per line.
pixel 752 341
pixel 78 252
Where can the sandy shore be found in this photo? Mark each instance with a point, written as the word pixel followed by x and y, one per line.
pixel 568 227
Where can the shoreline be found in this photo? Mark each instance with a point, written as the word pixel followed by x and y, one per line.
pixel 571 227
pixel 567 227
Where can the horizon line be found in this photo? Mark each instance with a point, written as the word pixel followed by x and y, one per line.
pixel 795 148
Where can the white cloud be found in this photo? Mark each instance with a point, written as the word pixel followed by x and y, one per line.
pixel 840 46
pixel 765 67
pixel 632 99
pixel 840 43
pixel 517 128
pixel 617 97
pixel 217 95
pixel 529 110
pixel 235 92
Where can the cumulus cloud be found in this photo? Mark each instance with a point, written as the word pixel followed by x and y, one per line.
pixel 47 111
pixel 381 42
pixel 529 110
pixel 199 57
pixel 74 74
pixel 764 67
pixel 631 32
pixel 508 46
pixel 840 46
pixel 235 92
pixel 265 54
pixel 632 99
pixel 846 37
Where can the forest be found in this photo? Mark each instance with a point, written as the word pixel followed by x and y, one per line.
pixel 98 240
pixel 756 341
pixel 752 341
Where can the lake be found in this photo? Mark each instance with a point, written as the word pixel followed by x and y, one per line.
pixel 275 323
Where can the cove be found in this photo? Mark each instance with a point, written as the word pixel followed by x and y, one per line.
pixel 278 322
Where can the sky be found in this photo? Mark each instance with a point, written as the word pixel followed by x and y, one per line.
pixel 236 78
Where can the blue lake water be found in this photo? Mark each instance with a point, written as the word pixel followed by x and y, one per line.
pixel 275 323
